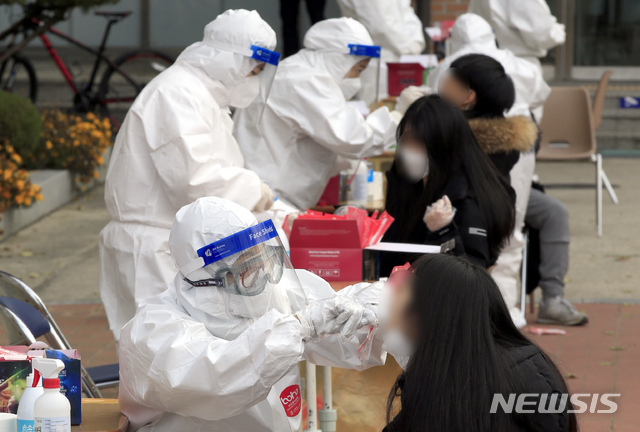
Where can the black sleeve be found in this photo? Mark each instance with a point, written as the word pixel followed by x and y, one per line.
pixel 469 233
pixel 505 161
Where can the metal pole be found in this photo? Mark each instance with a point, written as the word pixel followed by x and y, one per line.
pixel 145 24
pixel 312 391
pixel 328 416
pixel 599 193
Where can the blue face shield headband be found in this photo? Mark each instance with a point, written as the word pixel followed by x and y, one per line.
pixel 373 51
pixel 260 54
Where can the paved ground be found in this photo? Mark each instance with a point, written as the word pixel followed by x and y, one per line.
pixel 58 257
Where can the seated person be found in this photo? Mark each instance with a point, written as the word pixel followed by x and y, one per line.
pixel 445 321
pixel 442 186
pixel 480 86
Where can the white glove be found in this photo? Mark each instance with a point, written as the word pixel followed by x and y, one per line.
pixel 439 214
pixel 266 199
pixel 337 314
pixel 409 96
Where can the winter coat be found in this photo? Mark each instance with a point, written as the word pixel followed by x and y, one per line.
pixel 467 229
pixel 537 375
pixel 503 139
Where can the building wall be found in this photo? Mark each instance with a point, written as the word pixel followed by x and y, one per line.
pixel 172 24
pixel 448 10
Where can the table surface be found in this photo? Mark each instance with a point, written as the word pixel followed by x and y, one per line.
pixel 101 415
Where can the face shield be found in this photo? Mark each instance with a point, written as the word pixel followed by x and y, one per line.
pixel 256 86
pixel 250 273
pixel 373 53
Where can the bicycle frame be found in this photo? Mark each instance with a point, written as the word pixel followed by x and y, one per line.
pixel 99 54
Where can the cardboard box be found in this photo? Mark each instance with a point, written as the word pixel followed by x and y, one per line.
pixel 14 372
pixel 403 75
pixel 332 249
pixel 329 248
pixel 331 194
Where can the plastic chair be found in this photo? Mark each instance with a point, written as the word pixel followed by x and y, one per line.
pixel 26 318
pixel 598 100
pixel 568 133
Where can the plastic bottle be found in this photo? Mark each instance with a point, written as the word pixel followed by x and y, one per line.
pixel 27 403
pixel 52 411
pixel 358 196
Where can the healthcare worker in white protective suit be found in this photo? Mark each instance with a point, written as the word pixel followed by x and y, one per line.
pixel 527 28
pixel 294 141
pixel 392 24
pixel 219 351
pixel 176 145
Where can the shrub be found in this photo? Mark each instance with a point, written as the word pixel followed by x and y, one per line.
pixel 19 123
pixel 72 142
pixel 15 187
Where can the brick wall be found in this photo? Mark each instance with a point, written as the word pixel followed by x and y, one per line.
pixel 448 10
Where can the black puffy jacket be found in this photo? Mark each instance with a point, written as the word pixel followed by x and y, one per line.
pixel 468 229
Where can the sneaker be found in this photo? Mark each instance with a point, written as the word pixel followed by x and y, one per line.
pixel 517 317
pixel 560 311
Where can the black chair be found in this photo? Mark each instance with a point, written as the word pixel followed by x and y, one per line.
pixel 26 318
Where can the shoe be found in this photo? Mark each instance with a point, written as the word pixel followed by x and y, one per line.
pixel 518 319
pixel 560 311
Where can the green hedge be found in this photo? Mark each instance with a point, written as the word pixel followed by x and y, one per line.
pixel 20 123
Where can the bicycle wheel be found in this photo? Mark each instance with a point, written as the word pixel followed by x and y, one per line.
pixel 18 76
pixel 119 87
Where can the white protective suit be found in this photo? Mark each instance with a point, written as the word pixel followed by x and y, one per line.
pixel 527 28
pixel 189 363
pixel 175 145
pixel 392 24
pixel 307 122
pixel 471 34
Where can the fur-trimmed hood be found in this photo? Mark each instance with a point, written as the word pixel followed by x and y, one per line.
pixel 500 134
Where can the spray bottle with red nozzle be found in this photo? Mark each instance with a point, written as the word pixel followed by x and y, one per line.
pixel 52 411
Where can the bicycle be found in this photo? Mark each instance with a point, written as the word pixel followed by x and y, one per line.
pixel 119 85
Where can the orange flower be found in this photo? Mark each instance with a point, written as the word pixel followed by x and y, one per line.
pixel 39 197
pixel 27 201
pixel 49 145
pixel 19 199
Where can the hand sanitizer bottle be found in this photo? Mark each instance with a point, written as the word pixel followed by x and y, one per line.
pixel 52 411
pixel 27 402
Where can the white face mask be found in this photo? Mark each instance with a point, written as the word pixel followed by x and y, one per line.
pixel 245 92
pixel 414 163
pixel 394 341
pixel 350 87
pixel 397 344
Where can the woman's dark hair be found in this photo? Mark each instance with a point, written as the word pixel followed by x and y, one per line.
pixel 494 89
pixel 465 335
pixel 452 149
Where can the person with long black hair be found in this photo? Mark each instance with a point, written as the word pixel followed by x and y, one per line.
pixel 479 85
pixel 442 186
pixel 448 315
